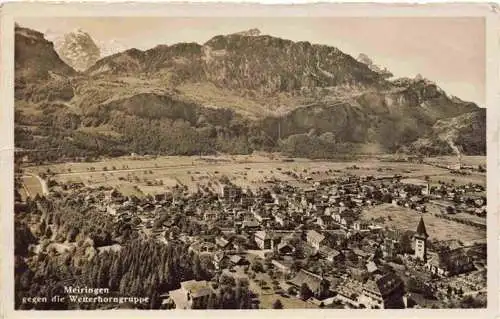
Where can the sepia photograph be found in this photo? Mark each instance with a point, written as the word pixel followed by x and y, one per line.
pixel 258 162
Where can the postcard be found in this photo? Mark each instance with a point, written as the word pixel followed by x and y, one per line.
pixel 293 160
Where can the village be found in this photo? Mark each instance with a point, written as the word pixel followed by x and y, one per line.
pixel 316 246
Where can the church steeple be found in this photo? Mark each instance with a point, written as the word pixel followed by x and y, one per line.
pixel 421 231
pixel 420 240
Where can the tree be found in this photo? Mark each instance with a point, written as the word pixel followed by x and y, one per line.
pixel 197 269
pixel 305 292
pixel 378 254
pixel 387 198
pixel 324 287
pixel 405 243
pixel 48 232
pixel 212 302
pixel 413 285
pixel 257 266
pixel 291 291
pixel 449 291
pixel 228 299
pixel 277 304
pixel 471 302
pixel 227 280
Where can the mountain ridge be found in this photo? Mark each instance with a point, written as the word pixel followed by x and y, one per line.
pixel 242 92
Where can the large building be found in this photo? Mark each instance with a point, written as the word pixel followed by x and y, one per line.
pixel 450 262
pixel 424 185
pixel 229 191
pixel 192 295
pixel 312 280
pixel 420 239
pixel 314 239
pixel 266 239
pixel 385 292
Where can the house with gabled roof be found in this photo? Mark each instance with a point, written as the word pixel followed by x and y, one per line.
pixel 192 295
pixel 325 221
pixel 349 291
pixel 361 226
pixel 314 239
pixel 383 292
pixel 347 221
pixel 223 243
pixel 283 265
pixel 267 239
pixel 250 225
pixel 221 260
pixel 330 254
pixel 281 219
pixel 449 262
pixel 237 260
pixel 312 280
pixel 285 248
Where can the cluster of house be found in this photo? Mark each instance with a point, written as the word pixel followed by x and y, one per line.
pixel 292 224
pixel 365 284
pixel 470 198
pixel 329 204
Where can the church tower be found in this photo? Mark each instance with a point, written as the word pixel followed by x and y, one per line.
pixel 420 240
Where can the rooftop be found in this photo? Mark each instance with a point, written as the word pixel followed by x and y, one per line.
pixel 421 231
pixel 414 181
pixel 196 288
pixel 315 235
pixel 312 280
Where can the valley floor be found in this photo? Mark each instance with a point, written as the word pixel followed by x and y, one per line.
pixel 150 175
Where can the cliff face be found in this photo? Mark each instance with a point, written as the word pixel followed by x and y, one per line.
pixel 78 50
pixel 462 134
pixel 234 92
pixel 246 61
pixel 35 57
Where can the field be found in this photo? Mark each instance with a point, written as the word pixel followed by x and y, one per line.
pixel 438 229
pixel 451 160
pixel 31 187
pixel 475 178
pixel 437 209
pixel 151 175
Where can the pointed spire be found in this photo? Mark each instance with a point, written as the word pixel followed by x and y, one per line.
pixel 421 228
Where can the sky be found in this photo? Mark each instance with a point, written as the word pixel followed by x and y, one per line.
pixel 447 50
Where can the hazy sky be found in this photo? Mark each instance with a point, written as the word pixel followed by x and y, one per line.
pixel 449 51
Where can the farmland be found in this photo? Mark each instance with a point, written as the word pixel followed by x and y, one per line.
pixel 451 160
pixel 31 186
pixel 437 228
pixel 151 175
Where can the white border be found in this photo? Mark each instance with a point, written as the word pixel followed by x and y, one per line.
pixel 12 10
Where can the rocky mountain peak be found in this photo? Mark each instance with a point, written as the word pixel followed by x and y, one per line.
pixel 246 78
pixel 249 33
pixel 365 59
pixel 77 49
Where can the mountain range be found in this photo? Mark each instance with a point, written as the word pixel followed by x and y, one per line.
pixel 235 93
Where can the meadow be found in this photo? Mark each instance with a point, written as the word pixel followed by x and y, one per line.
pixel 151 175
pixel 403 218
